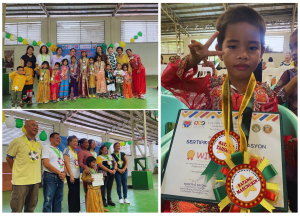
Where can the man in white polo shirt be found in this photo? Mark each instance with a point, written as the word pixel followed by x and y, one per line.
pixel 54 175
pixel 24 157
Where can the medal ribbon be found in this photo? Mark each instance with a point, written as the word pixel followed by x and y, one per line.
pixel 30 147
pixel 91 69
pixel 43 58
pixel 93 170
pixel 227 111
pixel 108 159
pixel 75 156
pixel 119 157
pixel 58 154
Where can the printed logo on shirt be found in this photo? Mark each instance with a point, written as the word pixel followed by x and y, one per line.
pixel 187 124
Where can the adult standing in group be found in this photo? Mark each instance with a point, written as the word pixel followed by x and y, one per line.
pixel 26 171
pixel 43 56
pixel 103 55
pixel 29 55
pixel 123 59
pixel 83 154
pixel 112 57
pixel 73 174
pixel 92 147
pixel 72 53
pixel 57 57
pixel 54 175
pixel 122 174
pixel 107 163
pixel 138 75
pixel 287 60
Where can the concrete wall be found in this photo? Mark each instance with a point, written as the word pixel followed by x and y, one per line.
pixel 147 51
pixel 62 129
pixel 277 57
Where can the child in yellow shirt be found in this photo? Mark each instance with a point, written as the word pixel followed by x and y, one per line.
pixel 27 92
pixel 18 77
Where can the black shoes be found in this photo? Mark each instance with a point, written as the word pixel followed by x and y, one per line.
pixel 105 204
pixel 111 203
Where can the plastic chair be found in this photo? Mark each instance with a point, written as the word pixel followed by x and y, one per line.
pixel 221 72
pixel 269 72
pixel 169 110
pixel 281 70
pixel 289 122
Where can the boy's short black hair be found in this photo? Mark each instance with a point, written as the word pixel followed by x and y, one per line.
pixel 62 62
pixel 124 66
pixel 119 64
pixel 129 49
pixel 57 63
pixel 45 62
pixel 73 49
pixel 47 50
pixel 29 60
pixel 19 67
pixel 52 135
pixel 270 59
pixel 73 57
pixel 171 57
pixel 240 14
pixel 107 65
pixel 91 58
pixel 89 160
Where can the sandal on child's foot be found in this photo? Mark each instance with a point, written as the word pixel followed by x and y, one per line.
pixel 21 105
pixel 104 97
pixel 97 97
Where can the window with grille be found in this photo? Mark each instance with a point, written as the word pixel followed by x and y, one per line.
pixel 31 30
pixel 80 32
pixel 126 149
pixel 130 28
pixel 81 135
pixel 170 47
pixel 8 134
pixel 274 44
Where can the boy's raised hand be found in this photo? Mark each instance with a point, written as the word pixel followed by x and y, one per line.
pixel 199 51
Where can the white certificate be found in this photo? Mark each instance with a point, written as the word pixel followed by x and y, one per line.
pixel 98 179
pixel 188 156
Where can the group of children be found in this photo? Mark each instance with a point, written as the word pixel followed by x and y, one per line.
pixel 70 81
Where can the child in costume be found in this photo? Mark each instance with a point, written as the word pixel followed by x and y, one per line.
pixel 100 76
pixel 127 83
pixel 94 201
pixel 55 82
pixel 110 82
pixel 28 88
pixel 119 75
pixel 65 77
pixel 19 78
pixel 73 89
pixel 43 91
pixel 240 32
pixel 92 77
pixel 83 75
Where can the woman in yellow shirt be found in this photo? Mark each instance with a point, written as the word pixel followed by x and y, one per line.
pixel 123 59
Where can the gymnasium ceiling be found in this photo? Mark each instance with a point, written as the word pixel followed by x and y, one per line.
pixel 107 121
pixel 14 10
pixel 198 18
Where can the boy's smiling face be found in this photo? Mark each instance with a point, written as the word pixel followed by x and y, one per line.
pixel 243 51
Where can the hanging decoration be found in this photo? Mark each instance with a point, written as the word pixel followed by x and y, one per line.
pixel 43 136
pixel 23 129
pixel 13 37
pixel 34 43
pixel 129 142
pixel 53 48
pixel 136 37
pixel 132 40
pixel 122 143
pixel 20 39
pixel 3 34
pixel 25 41
pixel 111 45
pixel 103 46
pixel 29 41
pixel 117 45
pixel 10 122
pixel 42 44
pixel 122 44
pixel 19 123
pixel 48 44
pixel 140 34
pixel 7 35
pixel 108 144
pixel 3 117
pixel 39 43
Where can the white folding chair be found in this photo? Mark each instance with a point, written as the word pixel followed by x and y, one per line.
pixel 281 70
pixel 269 72
pixel 221 72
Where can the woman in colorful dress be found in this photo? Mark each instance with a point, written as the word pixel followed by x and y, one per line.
pixel 56 58
pixel 92 77
pixel 100 76
pixel 42 57
pixel 103 55
pixel 43 91
pixel 138 75
pixel 64 85
pixel 83 75
pixel 55 82
pixel 73 88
